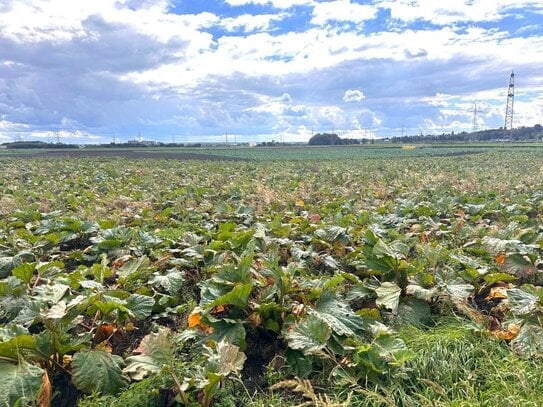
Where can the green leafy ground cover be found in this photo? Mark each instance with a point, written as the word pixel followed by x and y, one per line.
pixel 412 280
pixel 350 152
pixel 305 153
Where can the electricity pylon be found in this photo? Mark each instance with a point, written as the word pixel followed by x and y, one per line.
pixel 510 101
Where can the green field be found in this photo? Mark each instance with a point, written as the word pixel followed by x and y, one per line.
pixel 302 153
pixel 363 276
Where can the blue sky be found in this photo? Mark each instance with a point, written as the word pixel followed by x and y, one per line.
pixel 193 70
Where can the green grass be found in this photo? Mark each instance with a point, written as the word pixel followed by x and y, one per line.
pixel 455 366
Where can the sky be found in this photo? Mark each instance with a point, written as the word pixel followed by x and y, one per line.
pixel 260 70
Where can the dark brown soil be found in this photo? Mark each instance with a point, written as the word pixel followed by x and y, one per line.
pixel 130 154
pixel 262 346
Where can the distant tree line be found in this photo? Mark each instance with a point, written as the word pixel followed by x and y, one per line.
pixel 519 134
pixel 331 139
pixel 534 133
pixel 37 144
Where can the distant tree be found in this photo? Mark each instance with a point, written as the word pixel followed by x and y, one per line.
pixel 325 139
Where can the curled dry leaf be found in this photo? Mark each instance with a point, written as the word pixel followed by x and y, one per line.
pixel 497 293
pixel 255 319
pixel 105 346
pixel 46 391
pixel 298 309
pixel 118 263
pixel 506 335
pixel 217 310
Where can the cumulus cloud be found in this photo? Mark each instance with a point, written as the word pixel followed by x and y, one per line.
pixel 128 66
pixel 250 23
pixel 342 10
pixel 281 4
pixel 454 11
pixel 353 95
pixel 439 99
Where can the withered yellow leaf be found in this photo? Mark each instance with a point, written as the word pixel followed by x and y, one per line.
pixel 194 319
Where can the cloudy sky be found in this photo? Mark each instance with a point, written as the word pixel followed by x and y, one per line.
pixel 194 70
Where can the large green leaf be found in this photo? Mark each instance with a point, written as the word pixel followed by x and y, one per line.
pixel 519 266
pixel 301 365
pixel 412 311
pixel 51 293
pixel 382 250
pixel 14 347
pixel 140 306
pixel 24 272
pixel 156 351
pixel 19 384
pixel 171 281
pixel 392 349
pixel 134 268
pixel 388 296
pixel 229 330
pixel 97 370
pixel 238 296
pixel 529 340
pixel 520 302
pixel 113 238
pixel 333 233
pixel 420 292
pixel 7 264
pixel 459 291
pixel 309 335
pixel 496 245
pixel 337 314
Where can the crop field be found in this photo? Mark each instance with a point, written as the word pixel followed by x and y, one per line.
pixel 281 153
pixel 272 277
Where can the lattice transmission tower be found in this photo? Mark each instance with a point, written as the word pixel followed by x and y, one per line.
pixel 510 101
pixel 475 125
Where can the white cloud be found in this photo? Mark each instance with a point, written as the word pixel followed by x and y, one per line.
pixel 453 11
pixel 65 135
pixel 6 125
pixel 249 22
pixel 353 95
pixel 440 99
pixel 276 106
pixel 342 10
pixel 432 127
pixel 63 20
pixel 281 4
